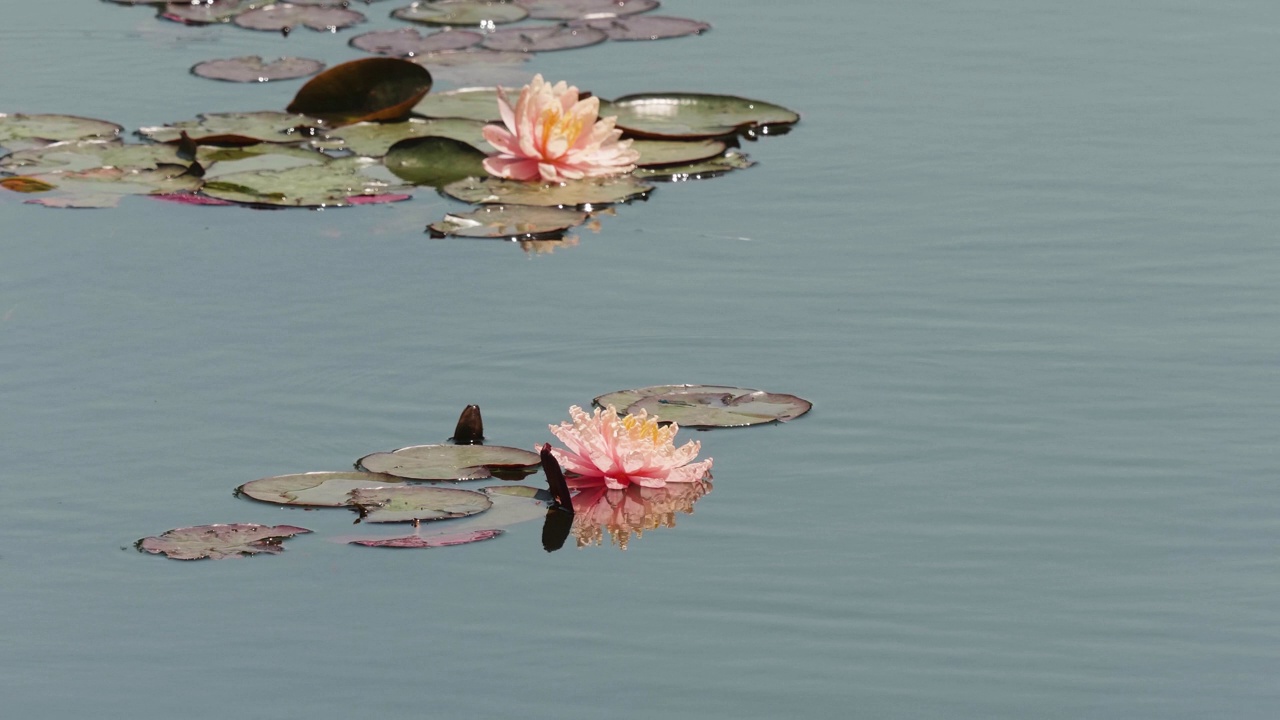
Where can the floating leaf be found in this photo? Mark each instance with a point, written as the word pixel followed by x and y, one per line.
pixel 477 103
pixel 102 187
pixel 575 9
pixel 414 503
pixel 375 139
pixel 509 222
pixel 219 541
pixel 573 193
pixel 693 115
pixel 408 42
pixel 333 184
pixel 24 184
pixel 252 69
pixel 644 27
pixel 543 39
pixel 707 406
pixel 19 132
pixel 476 66
pixel 450 462
pixel 314 489
pixel 431 541
pixel 382 89
pixel 434 161
pixel 701 170
pixel 237 128
pixel 221 161
pixel 285 16
pixel 675 152
pixel 206 12
pixel 480 13
pixel 78 155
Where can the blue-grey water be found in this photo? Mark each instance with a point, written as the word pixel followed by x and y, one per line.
pixel 1021 255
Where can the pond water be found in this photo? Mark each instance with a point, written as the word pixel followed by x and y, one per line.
pixel 1021 256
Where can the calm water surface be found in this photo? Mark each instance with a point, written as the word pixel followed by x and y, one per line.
pixel 1022 256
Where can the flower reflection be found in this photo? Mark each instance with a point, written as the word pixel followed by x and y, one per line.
pixel 618 514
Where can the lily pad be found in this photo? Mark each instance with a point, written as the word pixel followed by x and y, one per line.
pixel 693 115
pixel 477 103
pixel 476 66
pixel 479 13
pixel 285 16
pixel 221 161
pixel 543 39
pixel 25 184
pixel 707 406
pixel 314 489
pixel 450 462
pixel 219 541
pixel 509 222
pixel 77 155
pixel 434 161
pixel 252 69
pixel 675 152
pixel 584 193
pixel 408 42
pixel 206 12
pixel 644 27
pixel 375 139
pixel 18 131
pixel 103 187
pixel 431 541
pixel 575 9
pixel 337 183
pixel 383 89
pixel 415 503
pixel 237 128
pixel 701 170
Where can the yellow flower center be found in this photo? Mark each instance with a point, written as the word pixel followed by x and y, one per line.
pixel 556 124
pixel 641 429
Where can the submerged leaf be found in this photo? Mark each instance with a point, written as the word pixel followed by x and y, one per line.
pixel 415 503
pixel 509 222
pixel 434 161
pixel 584 193
pixel 219 541
pixel 707 406
pixel 252 69
pixel 450 462
pixel 693 115
pixel 383 89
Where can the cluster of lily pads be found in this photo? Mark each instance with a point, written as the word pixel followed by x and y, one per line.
pixel 467 33
pixel 424 484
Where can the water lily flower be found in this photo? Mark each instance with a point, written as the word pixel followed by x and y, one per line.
pixel 553 136
pixel 616 452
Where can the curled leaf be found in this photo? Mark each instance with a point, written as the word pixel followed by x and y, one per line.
pixel 383 89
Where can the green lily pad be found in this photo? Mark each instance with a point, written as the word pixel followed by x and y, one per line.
pixel 714 167
pixel 509 222
pixel 219 541
pixel 237 128
pixel 575 9
pixel 585 193
pixel 415 503
pixel 337 183
pixel 375 139
pixel 477 103
pixel 314 489
pixel 220 161
pixel 644 27
pixel 707 406
pixel 408 42
pixel 103 187
pixel 382 89
pixel 431 541
pixel 676 152
pixel 479 13
pixel 284 16
pixel 253 69
pixel 543 39
pixel 78 155
pixel 450 462
pixel 19 132
pixel 693 115
pixel 434 161
pixel 206 12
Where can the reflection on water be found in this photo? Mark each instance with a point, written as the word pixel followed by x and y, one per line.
pixel 618 514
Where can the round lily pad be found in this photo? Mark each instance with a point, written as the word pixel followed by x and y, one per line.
pixel 375 139
pixel 477 103
pixel 414 503
pixel 574 193
pixel 219 541
pixel 693 115
pixel 236 128
pixel 543 39
pixel 576 9
pixel 314 489
pixel 450 462
pixel 701 170
pixel 337 183
pixel 382 89
pixel 434 161
pixel 77 155
pixel 285 16
pixel 18 131
pixel 408 42
pixel 644 27
pixel 252 69
pixel 509 222
pixel 707 406
pixel 206 12
pixel 675 152
pixel 430 541
pixel 103 187
pixel 480 13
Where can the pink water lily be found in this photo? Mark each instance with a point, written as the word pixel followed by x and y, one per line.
pixel 553 136
pixel 616 452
